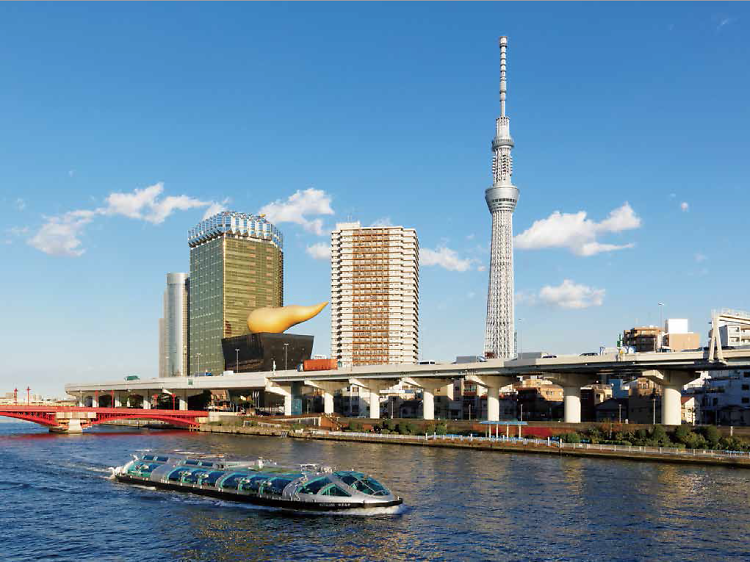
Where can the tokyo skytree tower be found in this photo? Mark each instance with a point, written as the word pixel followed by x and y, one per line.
pixel 499 337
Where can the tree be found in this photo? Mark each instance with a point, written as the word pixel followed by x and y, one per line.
pixel 682 434
pixel 659 435
pixel 712 435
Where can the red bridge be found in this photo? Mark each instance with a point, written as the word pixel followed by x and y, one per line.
pixel 75 419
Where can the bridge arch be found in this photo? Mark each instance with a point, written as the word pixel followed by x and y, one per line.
pixel 41 418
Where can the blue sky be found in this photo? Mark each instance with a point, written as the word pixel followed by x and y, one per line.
pixel 386 112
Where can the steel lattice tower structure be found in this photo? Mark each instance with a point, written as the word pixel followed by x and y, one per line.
pixel 499 337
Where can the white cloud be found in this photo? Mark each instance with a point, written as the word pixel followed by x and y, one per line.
pixel 722 21
pixel 145 204
pixel 481 268
pixel 60 236
pixel 299 207
pixel 20 204
pixel 383 221
pixel 577 233
pixel 215 208
pixel 571 295
pixel 319 251
pixel 684 206
pixel 445 258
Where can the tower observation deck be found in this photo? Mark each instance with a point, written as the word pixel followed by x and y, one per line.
pixel 501 199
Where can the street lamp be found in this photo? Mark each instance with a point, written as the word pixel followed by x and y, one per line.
pixel 286 348
pixel 661 323
pixel 237 352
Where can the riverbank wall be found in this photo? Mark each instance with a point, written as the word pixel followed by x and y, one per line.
pixel 534 446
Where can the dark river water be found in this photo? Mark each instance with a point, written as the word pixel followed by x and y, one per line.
pixel 58 504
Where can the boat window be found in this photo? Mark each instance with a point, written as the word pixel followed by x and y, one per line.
pixel 371 487
pixel 212 477
pixel 191 462
pixel 233 480
pixel 175 475
pixel 162 459
pixel 148 457
pixel 348 479
pixel 193 476
pixel 277 485
pixel 314 486
pixel 255 482
pixel 334 490
pixel 206 463
pixel 142 468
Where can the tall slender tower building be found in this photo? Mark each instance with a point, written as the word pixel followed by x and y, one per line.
pixel 501 200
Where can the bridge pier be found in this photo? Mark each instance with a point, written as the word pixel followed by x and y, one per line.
pixel 328 388
pixel 373 388
pixel 571 384
pixel 493 384
pixel 117 401
pixel 671 383
pixel 429 386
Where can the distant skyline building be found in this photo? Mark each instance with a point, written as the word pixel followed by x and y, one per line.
pixel 236 266
pixel 176 326
pixel 501 198
pixel 374 294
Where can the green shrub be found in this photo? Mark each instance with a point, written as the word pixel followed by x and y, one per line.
pixel 385 431
pixel 406 428
pixel 571 437
pixel 441 428
pixel 712 435
pixel 659 436
pixel 296 426
pixel 682 434
pixel 355 426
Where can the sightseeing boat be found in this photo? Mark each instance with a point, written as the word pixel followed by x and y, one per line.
pixel 309 487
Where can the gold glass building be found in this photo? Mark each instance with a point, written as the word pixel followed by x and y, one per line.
pixel 236 266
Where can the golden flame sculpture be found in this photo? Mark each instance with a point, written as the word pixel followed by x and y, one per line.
pixel 276 320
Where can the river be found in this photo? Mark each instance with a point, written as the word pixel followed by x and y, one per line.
pixel 59 504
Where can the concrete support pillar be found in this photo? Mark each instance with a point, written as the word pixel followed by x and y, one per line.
pixel 572 404
pixel 493 384
pixel 288 404
pixel 146 401
pixel 182 403
pixel 493 403
pixel 284 390
pixel 327 402
pixel 374 403
pixel 372 388
pixel 117 402
pixel 671 405
pixel 671 383
pixel 328 388
pixel 95 401
pixel 429 386
pixel 572 383
pixel 428 403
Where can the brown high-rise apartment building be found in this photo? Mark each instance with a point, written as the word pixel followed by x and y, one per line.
pixel 374 294
pixel 236 266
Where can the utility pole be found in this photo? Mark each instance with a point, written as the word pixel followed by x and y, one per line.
pixel 237 353
pixel 286 348
pixel 653 409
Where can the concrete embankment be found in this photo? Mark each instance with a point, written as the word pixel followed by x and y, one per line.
pixel 244 430
pixel 520 447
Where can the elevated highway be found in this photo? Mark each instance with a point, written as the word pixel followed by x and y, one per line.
pixel 670 370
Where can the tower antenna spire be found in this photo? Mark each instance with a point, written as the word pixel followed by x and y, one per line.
pixel 503 87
